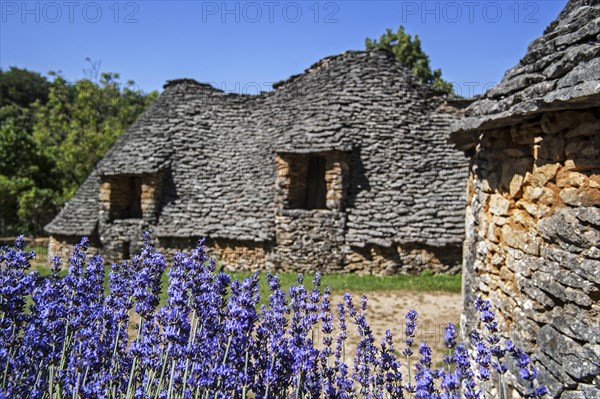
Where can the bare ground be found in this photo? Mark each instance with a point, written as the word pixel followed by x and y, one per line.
pixel 386 310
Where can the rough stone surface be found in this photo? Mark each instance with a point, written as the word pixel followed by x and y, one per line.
pixel 233 168
pixel 538 250
pixel 561 70
pixel 533 210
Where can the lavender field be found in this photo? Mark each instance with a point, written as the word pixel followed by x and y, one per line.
pixel 63 337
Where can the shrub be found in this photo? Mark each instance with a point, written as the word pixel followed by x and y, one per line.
pixel 211 340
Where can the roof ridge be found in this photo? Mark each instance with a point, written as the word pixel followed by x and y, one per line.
pixel 189 81
pixel 325 61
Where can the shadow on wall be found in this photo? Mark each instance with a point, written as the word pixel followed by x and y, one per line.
pixel 169 191
pixel 357 180
pixel 411 258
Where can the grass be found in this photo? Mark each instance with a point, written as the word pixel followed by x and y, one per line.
pixel 339 283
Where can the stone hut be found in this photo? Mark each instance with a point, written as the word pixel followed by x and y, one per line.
pixel 343 168
pixel 532 244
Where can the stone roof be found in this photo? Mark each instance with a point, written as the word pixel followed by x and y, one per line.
pixel 79 216
pixel 407 184
pixel 560 70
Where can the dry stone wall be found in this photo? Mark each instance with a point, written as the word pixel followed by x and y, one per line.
pixel 121 229
pixel 63 246
pixel 230 255
pixel 310 240
pixel 234 168
pixel 533 242
pixel 404 259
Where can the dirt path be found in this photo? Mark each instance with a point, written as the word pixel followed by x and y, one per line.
pixel 387 311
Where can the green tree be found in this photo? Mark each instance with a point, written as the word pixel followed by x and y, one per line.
pixel 81 121
pixel 52 134
pixel 22 87
pixel 22 167
pixel 408 52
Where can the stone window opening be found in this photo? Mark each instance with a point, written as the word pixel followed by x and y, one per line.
pixel 126 198
pixel 316 186
pixel 307 185
pixel 131 197
pixel 313 181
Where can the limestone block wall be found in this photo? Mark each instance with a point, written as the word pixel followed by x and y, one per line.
pixel 151 190
pixel 533 242
pixel 123 238
pixel 63 246
pixel 309 240
pixel 336 181
pixel 290 181
pixel 336 256
pixel 239 256
pixel 403 259
pixel 231 255
pixel 121 229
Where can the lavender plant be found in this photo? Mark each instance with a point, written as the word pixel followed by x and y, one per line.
pixel 211 340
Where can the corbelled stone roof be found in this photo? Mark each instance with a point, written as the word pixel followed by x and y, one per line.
pixel 560 70
pixel 406 185
pixel 79 216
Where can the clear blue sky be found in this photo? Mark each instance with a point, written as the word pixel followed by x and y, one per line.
pixel 246 45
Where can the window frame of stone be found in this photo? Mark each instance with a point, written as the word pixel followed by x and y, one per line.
pixel 295 182
pixel 130 197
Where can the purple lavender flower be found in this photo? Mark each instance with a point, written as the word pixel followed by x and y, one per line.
pixel 148 267
pixel 390 367
pixel 425 388
pixel 526 371
pixel 328 369
pixel 450 385
pixel 465 373
pixel 273 359
pixel 425 376
pixel 450 335
pixel 409 332
pixel 209 340
pixel 15 285
pixel 366 359
pixel 343 382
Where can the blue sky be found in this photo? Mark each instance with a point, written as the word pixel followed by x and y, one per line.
pixel 244 46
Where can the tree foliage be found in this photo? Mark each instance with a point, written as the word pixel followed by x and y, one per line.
pixel 22 87
pixel 408 52
pixel 52 134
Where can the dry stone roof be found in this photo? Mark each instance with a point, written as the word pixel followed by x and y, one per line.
pixel 407 184
pixel 561 67
pixel 79 216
